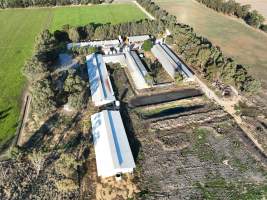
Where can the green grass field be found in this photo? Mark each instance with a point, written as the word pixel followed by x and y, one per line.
pixel 19 28
pixel 237 40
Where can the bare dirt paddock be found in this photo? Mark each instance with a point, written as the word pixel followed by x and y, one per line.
pixel 259 5
pixel 196 155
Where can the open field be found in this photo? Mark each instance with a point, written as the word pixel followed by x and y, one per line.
pixel 237 40
pixel 259 5
pixel 19 27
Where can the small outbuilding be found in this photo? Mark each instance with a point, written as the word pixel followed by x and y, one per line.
pixel 112 149
pixel 101 89
pixel 138 38
pixel 137 70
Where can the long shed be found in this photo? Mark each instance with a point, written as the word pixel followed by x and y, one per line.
pixel 101 89
pixel 112 149
pixel 137 70
pixel 170 62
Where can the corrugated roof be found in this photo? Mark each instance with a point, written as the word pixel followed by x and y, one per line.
pixel 170 61
pixel 138 38
pixel 94 43
pixel 100 85
pixel 112 149
pixel 137 70
pixel 184 68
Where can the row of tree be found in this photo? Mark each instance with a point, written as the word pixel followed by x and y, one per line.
pixel 199 53
pixel 30 3
pixel 107 31
pixel 230 7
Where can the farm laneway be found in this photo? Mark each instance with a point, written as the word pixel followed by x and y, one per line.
pixel 19 28
pixel 237 40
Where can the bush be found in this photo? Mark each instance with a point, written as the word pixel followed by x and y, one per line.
pixel 264 27
pixel 254 19
pixel 178 77
pixel 67 165
pixel 74 35
pixel 47 47
pixel 34 68
pixel 43 97
pixel 244 110
pixel 149 79
pixel 147 46
pixel 66 185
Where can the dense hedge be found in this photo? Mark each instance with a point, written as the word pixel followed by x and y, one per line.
pixel 199 52
pixel 230 7
pixel 29 3
pixel 108 31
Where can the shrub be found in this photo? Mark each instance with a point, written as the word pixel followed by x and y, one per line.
pixel 149 79
pixel 74 35
pixel 67 165
pixel 148 44
pixel 264 27
pixel 66 185
pixel 178 77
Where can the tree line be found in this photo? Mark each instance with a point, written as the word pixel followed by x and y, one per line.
pixel 107 31
pixel 43 3
pixel 230 7
pixel 201 54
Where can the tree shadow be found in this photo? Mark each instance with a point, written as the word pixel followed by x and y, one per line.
pixel 4 113
pixel 171 111
pixel 36 140
pixel 130 131
pixel 75 141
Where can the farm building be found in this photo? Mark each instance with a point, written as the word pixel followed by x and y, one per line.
pixel 170 62
pixel 137 70
pixel 112 149
pixel 115 58
pixel 100 85
pixel 138 38
pixel 106 43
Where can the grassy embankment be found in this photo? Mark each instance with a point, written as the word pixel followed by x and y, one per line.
pixel 19 28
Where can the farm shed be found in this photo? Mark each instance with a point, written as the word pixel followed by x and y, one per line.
pixel 100 85
pixel 170 61
pixel 138 38
pixel 115 58
pixel 136 69
pixel 112 149
pixel 103 43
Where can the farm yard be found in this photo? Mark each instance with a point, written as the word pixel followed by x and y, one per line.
pixel 19 28
pixel 237 40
